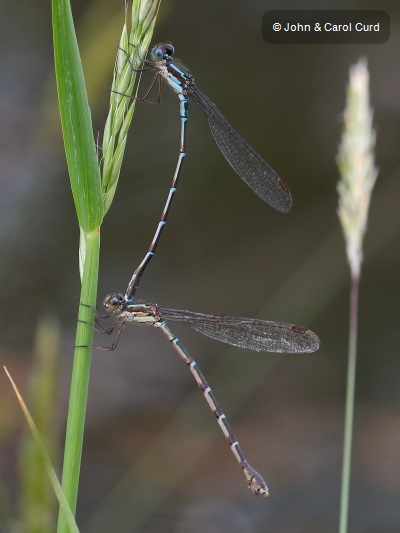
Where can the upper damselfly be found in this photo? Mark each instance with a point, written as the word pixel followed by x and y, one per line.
pixel 241 156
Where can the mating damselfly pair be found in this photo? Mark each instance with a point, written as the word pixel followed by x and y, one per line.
pixel 254 334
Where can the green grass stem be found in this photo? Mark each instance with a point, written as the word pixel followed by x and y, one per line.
pixel 84 176
pixel 80 379
pixel 92 195
pixel 349 409
pixel 356 161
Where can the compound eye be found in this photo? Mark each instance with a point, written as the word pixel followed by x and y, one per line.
pixel 111 301
pixel 169 49
pixel 157 54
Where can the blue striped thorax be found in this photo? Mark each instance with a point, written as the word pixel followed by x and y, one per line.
pixel 179 79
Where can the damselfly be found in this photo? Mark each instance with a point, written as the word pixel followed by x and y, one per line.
pixel 259 335
pixel 244 160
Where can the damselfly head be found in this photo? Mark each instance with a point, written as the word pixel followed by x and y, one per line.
pixel 162 51
pixel 113 301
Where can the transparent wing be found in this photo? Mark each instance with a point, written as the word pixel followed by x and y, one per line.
pixel 253 334
pixel 244 160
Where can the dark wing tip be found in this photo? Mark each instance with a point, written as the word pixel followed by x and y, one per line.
pixel 308 341
pixel 285 206
pixel 313 341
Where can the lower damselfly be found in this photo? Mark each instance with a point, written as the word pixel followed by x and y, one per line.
pixel 241 156
pixel 250 333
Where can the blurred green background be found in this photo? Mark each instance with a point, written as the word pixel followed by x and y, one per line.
pixel 154 459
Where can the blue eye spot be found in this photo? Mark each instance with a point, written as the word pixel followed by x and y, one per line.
pixel 157 54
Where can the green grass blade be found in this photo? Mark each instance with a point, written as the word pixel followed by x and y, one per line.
pixel 36 499
pixel 65 508
pixel 76 120
pixel 90 200
pixel 86 188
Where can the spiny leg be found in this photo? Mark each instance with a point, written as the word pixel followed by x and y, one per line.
pixel 143 69
pixel 118 323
